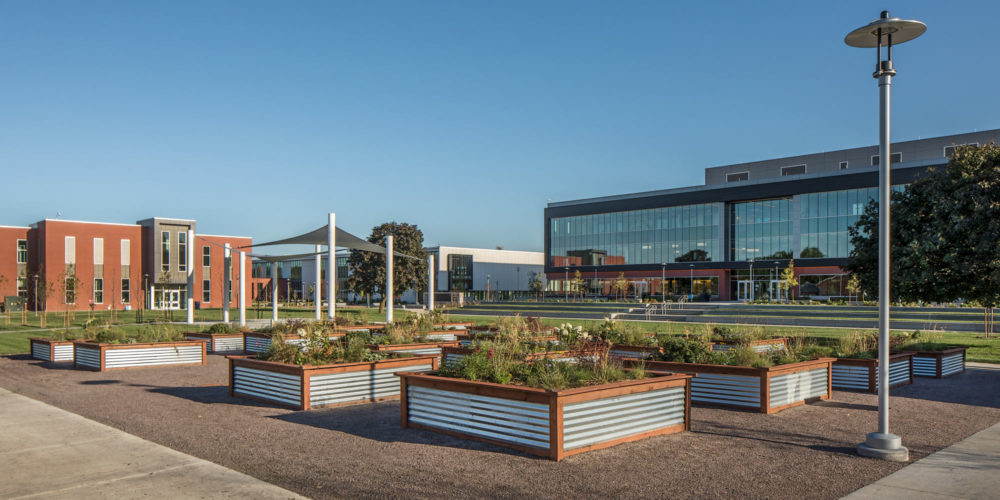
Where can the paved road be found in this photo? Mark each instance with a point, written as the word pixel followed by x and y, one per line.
pixel 46 452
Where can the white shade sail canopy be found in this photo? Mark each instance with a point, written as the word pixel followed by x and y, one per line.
pixel 319 237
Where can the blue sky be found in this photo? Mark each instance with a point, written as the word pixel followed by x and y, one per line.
pixel 465 117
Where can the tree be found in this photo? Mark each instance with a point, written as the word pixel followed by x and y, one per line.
pixel 620 285
pixel 788 278
pixel 6 313
pixel 945 235
pixel 368 268
pixel 854 286
pixel 535 284
pixel 578 283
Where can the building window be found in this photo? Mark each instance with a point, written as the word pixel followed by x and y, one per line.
pixel 98 290
pixel 70 282
pixel 22 251
pixel 126 291
pixel 893 158
pixel 843 165
pixel 950 150
pixel 165 251
pixel 206 256
pixel 737 177
pixel 793 170
pixel 760 229
pixel 182 251
pixel 459 272
pixel 22 288
pixel 206 291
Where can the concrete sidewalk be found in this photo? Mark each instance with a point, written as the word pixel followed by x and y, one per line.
pixel 968 469
pixel 51 453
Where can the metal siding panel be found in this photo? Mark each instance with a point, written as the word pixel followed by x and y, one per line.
pixel 952 363
pixel 228 344
pixel 726 389
pixel 88 356
pixel 152 356
pixel 899 372
pixel 40 351
pixel 280 387
pixel 850 377
pixel 443 337
pixel 257 344
pixel 602 420
pixel 490 417
pixel 794 387
pixel 357 386
pixel 64 353
pixel 924 366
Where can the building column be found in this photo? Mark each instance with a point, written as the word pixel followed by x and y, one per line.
pixel 318 289
pixel 331 266
pixel 430 282
pixel 190 276
pixel 243 293
pixel 387 295
pixel 227 277
pixel 274 291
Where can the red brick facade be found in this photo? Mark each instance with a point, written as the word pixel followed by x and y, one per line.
pixel 106 279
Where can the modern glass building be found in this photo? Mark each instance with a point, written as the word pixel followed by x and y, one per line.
pixel 733 236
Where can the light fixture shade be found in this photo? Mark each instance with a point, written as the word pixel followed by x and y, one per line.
pixel 902 30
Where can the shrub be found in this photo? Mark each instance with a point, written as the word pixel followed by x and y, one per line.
pixel 681 350
pixel 222 328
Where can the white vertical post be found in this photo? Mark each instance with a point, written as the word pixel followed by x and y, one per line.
pixel 152 296
pixel 318 290
pixel 274 291
pixel 331 266
pixel 190 275
pixel 227 278
pixel 387 296
pixel 243 285
pixel 430 282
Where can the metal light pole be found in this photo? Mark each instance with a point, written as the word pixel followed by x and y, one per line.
pixel 663 280
pixel 751 280
pixel 778 291
pixel 566 282
pixel 884 31
pixel 691 296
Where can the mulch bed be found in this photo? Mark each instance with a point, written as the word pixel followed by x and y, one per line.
pixel 361 451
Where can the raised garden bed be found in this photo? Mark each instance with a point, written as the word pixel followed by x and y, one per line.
pixel 939 364
pixel 634 351
pixel 218 342
pixel 552 424
pixel 55 351
pixel 303 387
pixel 455 354
pixel 862 374
pixel 767 390
pixel 106 357
pixel 361 328
pixel 420 348
pixel 766 345
pixel 454 326
pixel 468 339
pixel 254 342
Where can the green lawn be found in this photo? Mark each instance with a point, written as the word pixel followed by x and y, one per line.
pixel 17 342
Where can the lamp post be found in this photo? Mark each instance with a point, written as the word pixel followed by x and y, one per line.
pixel 691 295
pixel 776 278
pixel 565 282
pixel 885 30
pixel 487 288
pixel 663 283
pixel 751 279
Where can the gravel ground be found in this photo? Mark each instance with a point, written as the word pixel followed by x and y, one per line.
pixel 361 451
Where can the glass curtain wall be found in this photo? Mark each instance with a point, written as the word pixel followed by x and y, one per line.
pixel 825 219
pixel 761 229
pixel 686 233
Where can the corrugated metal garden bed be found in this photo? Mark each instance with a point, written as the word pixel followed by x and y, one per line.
pixel 939 364
pixel 552 424
pixel 218 342
pixel 254 342
pixel 765 345
pixel 302 387
pixel 862 374
pixel 54 351
pixel 767 390
pixel 105 357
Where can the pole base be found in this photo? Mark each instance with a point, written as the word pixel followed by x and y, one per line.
pixel 884 447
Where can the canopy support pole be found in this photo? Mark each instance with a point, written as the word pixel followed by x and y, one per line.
pixel 243 293
pixel 387 296
pixel 227 279
pixel 318 289
pixel 274 291
pixel 331 266
pixel 430 282
pixel 190 276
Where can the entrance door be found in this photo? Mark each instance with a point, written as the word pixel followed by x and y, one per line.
pixel 173 299
pixel 775 290
pixel 743 290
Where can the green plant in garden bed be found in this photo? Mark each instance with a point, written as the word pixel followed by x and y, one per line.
pixel 320 350
pixel 509 363
pixel 145 334
pixel 222 328
pixel 682 350
pixel 622 332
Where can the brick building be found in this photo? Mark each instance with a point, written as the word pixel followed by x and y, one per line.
pixel 81 265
